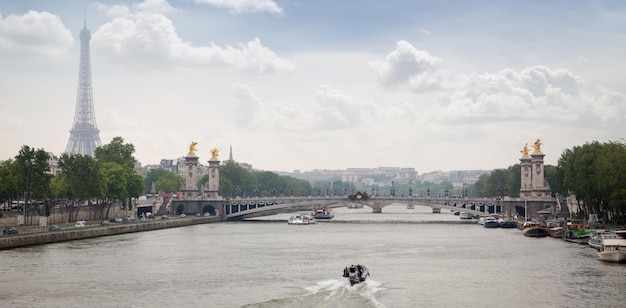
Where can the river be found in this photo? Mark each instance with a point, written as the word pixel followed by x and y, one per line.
pixel 415 258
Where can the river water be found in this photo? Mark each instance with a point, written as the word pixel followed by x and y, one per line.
pixel 415 258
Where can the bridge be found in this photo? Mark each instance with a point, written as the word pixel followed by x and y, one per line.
pixel 241 208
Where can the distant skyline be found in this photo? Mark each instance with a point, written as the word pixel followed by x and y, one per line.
pixel 303 85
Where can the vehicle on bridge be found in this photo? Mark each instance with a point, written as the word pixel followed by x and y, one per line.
pixel 356 273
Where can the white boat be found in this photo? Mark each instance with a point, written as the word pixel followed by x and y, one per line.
pixel 613 248
pixel 300 219
pixel 355 206
pixel 80 224
pixel 323 213
pixel 465 215
pixel 356 273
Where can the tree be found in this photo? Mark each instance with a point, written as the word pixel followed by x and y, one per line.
pixel 117 162
pixel 244 183
pixel 33 172
pixel 8 181
pixel 118 152
pixel 164 181
pixel 84 178
pixel 595 172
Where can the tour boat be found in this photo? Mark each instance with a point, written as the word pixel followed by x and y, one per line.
pixel 300 219
pixel 323 213
pixel 356 273
pixel 613 248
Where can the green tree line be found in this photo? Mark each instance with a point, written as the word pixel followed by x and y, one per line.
pixel 596 173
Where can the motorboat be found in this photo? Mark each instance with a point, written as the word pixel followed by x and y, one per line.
pixel 323 213
pixel 533 229
pixel 300 219
pixel 595 240
pixel 80 224
pixel 507 224
pixel 491 223
pixel 356 273
pixel 355 206
pixel 465 215
pixel 613 248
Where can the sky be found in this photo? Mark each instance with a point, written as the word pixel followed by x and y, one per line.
pixel 325 84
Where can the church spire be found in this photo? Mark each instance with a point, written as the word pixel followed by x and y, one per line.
pixel 230 155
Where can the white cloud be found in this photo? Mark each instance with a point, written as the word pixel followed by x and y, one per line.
pixel 535 93
pixel 249 104
pixel 337 110
pixel 147 40
pixel 245 6
pixel 407 65
pixel 39 32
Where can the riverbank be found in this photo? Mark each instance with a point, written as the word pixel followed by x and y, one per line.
pixel 15 241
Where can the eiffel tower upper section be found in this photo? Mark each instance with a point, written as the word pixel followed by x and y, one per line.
pixel 84 135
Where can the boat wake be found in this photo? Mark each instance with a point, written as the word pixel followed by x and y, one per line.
pixel 331 293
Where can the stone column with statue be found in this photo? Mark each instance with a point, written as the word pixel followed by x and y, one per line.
pixel 190 179
pixel 525 173
pixel 539 186
pixel 212 186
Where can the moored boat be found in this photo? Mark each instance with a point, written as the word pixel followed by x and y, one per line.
pixel 532 229
pixel 356 273
pixel 508 224
pixel 556 232
pixel 576 233
pixel 465 215
pixel 595 240
pixel 613 248
pixel 491 223
pixel 300 219
pixel 323 213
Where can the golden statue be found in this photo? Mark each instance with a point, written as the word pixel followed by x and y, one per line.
pixel 214 153
pixel 524 151
pixel 192 149
pixel 537 146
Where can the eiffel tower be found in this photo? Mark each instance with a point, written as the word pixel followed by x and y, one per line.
pixel 84 135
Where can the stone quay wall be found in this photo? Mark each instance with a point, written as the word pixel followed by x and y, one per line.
pixel 8 242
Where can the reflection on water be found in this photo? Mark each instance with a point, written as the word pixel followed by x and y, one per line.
pixel 273 264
